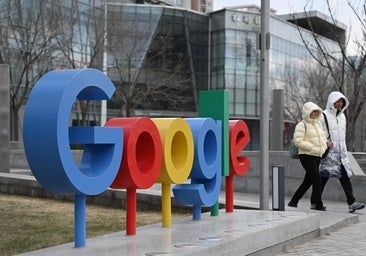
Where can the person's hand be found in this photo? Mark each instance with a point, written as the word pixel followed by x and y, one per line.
pixel 329 143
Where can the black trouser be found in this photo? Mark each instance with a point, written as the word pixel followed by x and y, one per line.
pixel 346 185
pixel 312 178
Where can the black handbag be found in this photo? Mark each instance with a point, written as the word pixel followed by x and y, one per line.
pixel 329 138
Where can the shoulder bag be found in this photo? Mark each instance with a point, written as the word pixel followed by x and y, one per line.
pixel 329 138
pixel 293 150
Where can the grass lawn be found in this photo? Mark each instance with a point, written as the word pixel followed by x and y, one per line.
pixel 28 223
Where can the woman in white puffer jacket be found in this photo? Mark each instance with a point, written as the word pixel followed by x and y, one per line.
pixel 311 141
pixel 336 164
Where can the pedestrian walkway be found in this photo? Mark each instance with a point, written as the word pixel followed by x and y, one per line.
pixel 348 240
pixel 344 238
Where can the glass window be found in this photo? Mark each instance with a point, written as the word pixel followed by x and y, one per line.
pixel 241 66
pixel 251 96
pixel 218 37
pixel 231 107
pixel 218 21
pixel 230 51
pixel 250 109
pixel 239 95
pixel 239 81
pixel 252 82
pixel 218 80
pixel 229 81
pixel 239 108
pixel 230 65
pixel 230 36
pixel 218 51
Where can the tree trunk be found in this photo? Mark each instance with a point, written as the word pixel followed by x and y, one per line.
pixel 15 125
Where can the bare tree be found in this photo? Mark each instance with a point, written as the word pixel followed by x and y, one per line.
pixel 80 42
pixel 152 66
pixel 26 33
pixel 347 72
pixel 310 82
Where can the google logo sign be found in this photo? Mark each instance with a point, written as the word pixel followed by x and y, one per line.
pixel 128 153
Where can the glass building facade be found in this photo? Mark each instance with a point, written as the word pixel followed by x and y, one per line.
pixel 235 62
pixel 159 56
pixel 157 59
pixel 163 56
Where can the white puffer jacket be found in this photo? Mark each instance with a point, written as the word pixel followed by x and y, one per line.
pixel 331 165
pixel 311 139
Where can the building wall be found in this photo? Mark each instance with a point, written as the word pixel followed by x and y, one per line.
pixel 235 63
pixel 202 5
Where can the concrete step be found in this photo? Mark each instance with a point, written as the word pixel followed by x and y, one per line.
pixel 360 157
pixel 243 232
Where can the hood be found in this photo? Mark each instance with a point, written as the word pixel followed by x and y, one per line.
pixel 307 109
pixel 333 97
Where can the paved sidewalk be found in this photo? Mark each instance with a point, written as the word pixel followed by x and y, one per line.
pixel 348 240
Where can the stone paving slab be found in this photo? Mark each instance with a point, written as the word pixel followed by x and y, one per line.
pixel 242 232
pixel 346 241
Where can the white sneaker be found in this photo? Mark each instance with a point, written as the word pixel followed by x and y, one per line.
pixel 356 206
